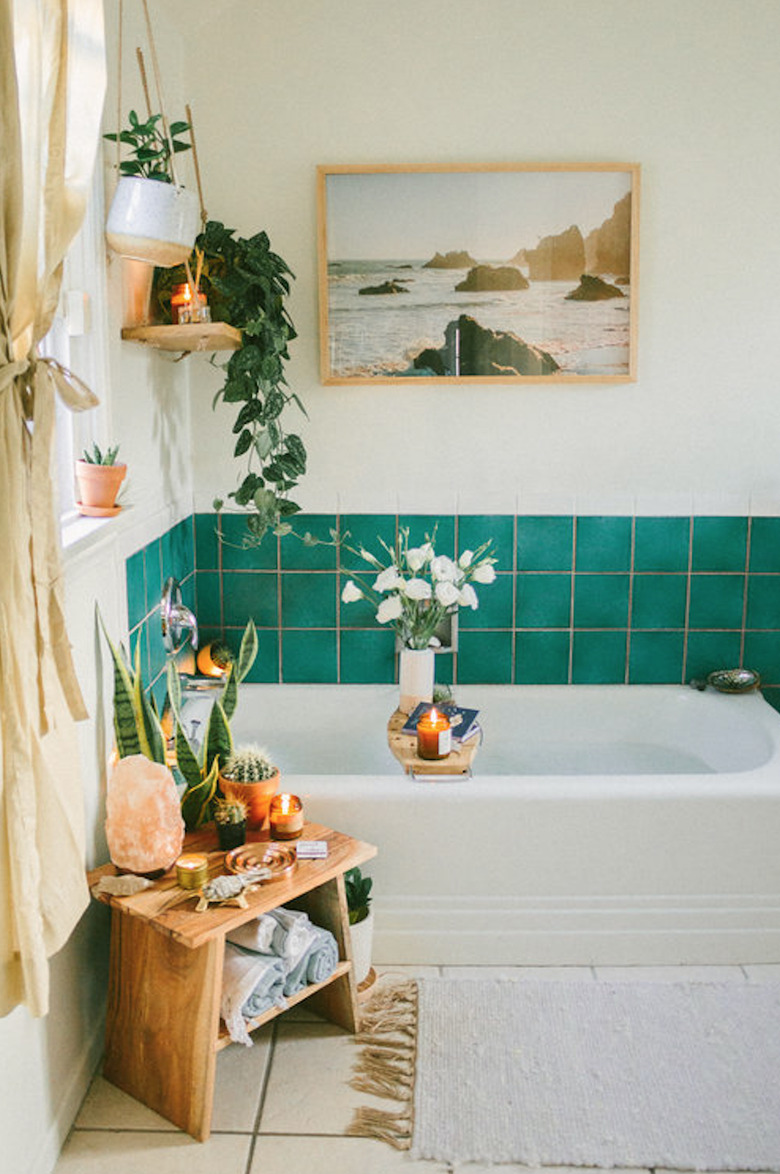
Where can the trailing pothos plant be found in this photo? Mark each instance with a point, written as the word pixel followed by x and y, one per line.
pixel 138 728
pixel 246 284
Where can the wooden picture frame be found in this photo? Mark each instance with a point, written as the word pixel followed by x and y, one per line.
pixel 506 273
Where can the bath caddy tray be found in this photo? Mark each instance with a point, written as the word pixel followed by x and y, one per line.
pixel 404 749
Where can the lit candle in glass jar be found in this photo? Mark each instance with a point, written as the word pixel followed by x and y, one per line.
pixel 192 870
pixel 285 817
pixel 434 736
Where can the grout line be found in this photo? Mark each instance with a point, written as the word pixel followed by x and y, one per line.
pixel 263 1092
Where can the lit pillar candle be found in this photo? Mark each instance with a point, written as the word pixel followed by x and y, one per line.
pixel 434 736
pixel 192 870
pixel 286 817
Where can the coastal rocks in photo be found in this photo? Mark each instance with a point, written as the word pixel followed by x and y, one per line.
pixel 557 258
pixel 473 350
pixel 387 287
pixel 451 260
pixel 593 289
pixel 608 248
pixel 492 277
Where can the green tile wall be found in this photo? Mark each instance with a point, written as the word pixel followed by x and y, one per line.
pixel 649 600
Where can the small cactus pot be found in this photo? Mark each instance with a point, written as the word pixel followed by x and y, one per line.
pixel 231 835
pixel 256 795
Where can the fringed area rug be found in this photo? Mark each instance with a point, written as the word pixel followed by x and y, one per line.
pixel 548 1073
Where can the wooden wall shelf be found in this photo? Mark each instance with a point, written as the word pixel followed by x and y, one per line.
pixel 194 336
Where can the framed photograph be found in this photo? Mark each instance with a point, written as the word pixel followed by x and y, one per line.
pixel 511 273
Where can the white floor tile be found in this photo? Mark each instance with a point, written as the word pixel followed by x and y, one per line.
pixel 239 1082
pixel 308 1089
pixel 539 973
pixel 98 1152
pixel 336 1155
pixel 769 972
pixel 670 973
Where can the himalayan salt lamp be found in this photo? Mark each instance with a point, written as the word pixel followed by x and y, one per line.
pixel 144 827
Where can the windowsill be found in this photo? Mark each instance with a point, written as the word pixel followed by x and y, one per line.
pixel 79 533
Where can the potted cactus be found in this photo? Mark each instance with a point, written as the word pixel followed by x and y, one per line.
pixel 250 776
pixel 230 822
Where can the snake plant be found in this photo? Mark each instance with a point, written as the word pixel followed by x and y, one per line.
pixel 139 730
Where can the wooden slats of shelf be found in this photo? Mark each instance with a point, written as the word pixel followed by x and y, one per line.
pixel 193 336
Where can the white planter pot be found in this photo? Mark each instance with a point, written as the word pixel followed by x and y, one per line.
pixel 415 677
pixel 362 937
pixel 152 221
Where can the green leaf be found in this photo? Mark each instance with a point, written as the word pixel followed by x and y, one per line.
pixel 188 762
pixel 125 724
pixel 247 651
pixel 196 800
pixel 150 733
pixel 218 740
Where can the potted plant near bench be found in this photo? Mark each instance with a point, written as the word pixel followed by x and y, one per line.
pixel 361 925
pixel 99 476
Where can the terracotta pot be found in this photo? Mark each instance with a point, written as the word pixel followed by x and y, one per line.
pixel 152 221
pixel 98 485
pixel 257 797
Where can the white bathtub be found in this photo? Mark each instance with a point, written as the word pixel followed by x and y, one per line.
pixel 602 824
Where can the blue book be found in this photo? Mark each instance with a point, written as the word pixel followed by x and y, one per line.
pixel 463 722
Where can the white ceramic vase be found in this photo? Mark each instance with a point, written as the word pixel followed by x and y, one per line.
pixel 415 677
pixel 152 221
pixel 362 937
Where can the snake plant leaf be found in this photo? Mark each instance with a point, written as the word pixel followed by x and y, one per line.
pixel 218 740
pixel 150 735
pixel 125 726
pixel 196 800
pixel 229 698
pixel 247 651
pixel 173 682
pixel 187 760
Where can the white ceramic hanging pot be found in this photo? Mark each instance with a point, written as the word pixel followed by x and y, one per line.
pixel 152 221
pixel 415 677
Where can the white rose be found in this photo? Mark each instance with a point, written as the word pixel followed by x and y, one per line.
pixel 468 597
pixel 484 573
pixel 465 559
pixel 447 593
pixel 418 556
pixel 417 589
pixel 389 609
pixel 387 579
pixel 351 592
pixel 443 569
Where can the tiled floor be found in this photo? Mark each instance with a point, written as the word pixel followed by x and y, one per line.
pixel 281 1107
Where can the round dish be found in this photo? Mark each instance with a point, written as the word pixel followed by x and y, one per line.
pixel 280 858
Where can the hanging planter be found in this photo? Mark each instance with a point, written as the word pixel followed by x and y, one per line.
pixel 152 217
pixel 153 222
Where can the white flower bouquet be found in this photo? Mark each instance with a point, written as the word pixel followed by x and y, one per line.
pixel 417 588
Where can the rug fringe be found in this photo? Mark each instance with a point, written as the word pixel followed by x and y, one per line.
pixel 386 1065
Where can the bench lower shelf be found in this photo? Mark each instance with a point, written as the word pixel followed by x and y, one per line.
pixel 309 992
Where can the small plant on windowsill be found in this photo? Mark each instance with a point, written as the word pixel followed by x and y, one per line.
pixel 99 477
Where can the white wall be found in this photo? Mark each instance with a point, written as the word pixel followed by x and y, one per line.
pixel 48 1063
pixel 687 89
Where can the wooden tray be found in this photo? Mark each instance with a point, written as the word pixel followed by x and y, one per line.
pixel 404 749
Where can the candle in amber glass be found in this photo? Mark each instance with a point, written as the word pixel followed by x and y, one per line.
pixel 285 817
pixel 192 870
pixel 434 736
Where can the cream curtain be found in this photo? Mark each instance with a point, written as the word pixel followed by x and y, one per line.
pixel 52 83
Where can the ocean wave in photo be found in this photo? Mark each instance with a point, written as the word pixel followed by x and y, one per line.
pixel 384 313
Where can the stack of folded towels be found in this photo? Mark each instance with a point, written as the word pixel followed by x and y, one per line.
pixel 276 954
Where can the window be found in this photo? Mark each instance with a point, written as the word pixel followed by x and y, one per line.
pixel 79 340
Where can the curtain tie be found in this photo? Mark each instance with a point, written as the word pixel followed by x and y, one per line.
pixel 72 390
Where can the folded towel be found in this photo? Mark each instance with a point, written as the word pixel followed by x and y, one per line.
pixel 255 935
pixel 252 984
pixel 293 936
pixel 317 963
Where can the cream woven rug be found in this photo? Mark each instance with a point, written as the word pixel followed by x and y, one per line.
pixel 678 1075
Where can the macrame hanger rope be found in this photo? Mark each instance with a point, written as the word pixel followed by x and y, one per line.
pixel 119 91
pixel 158 87
pixel 203 213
